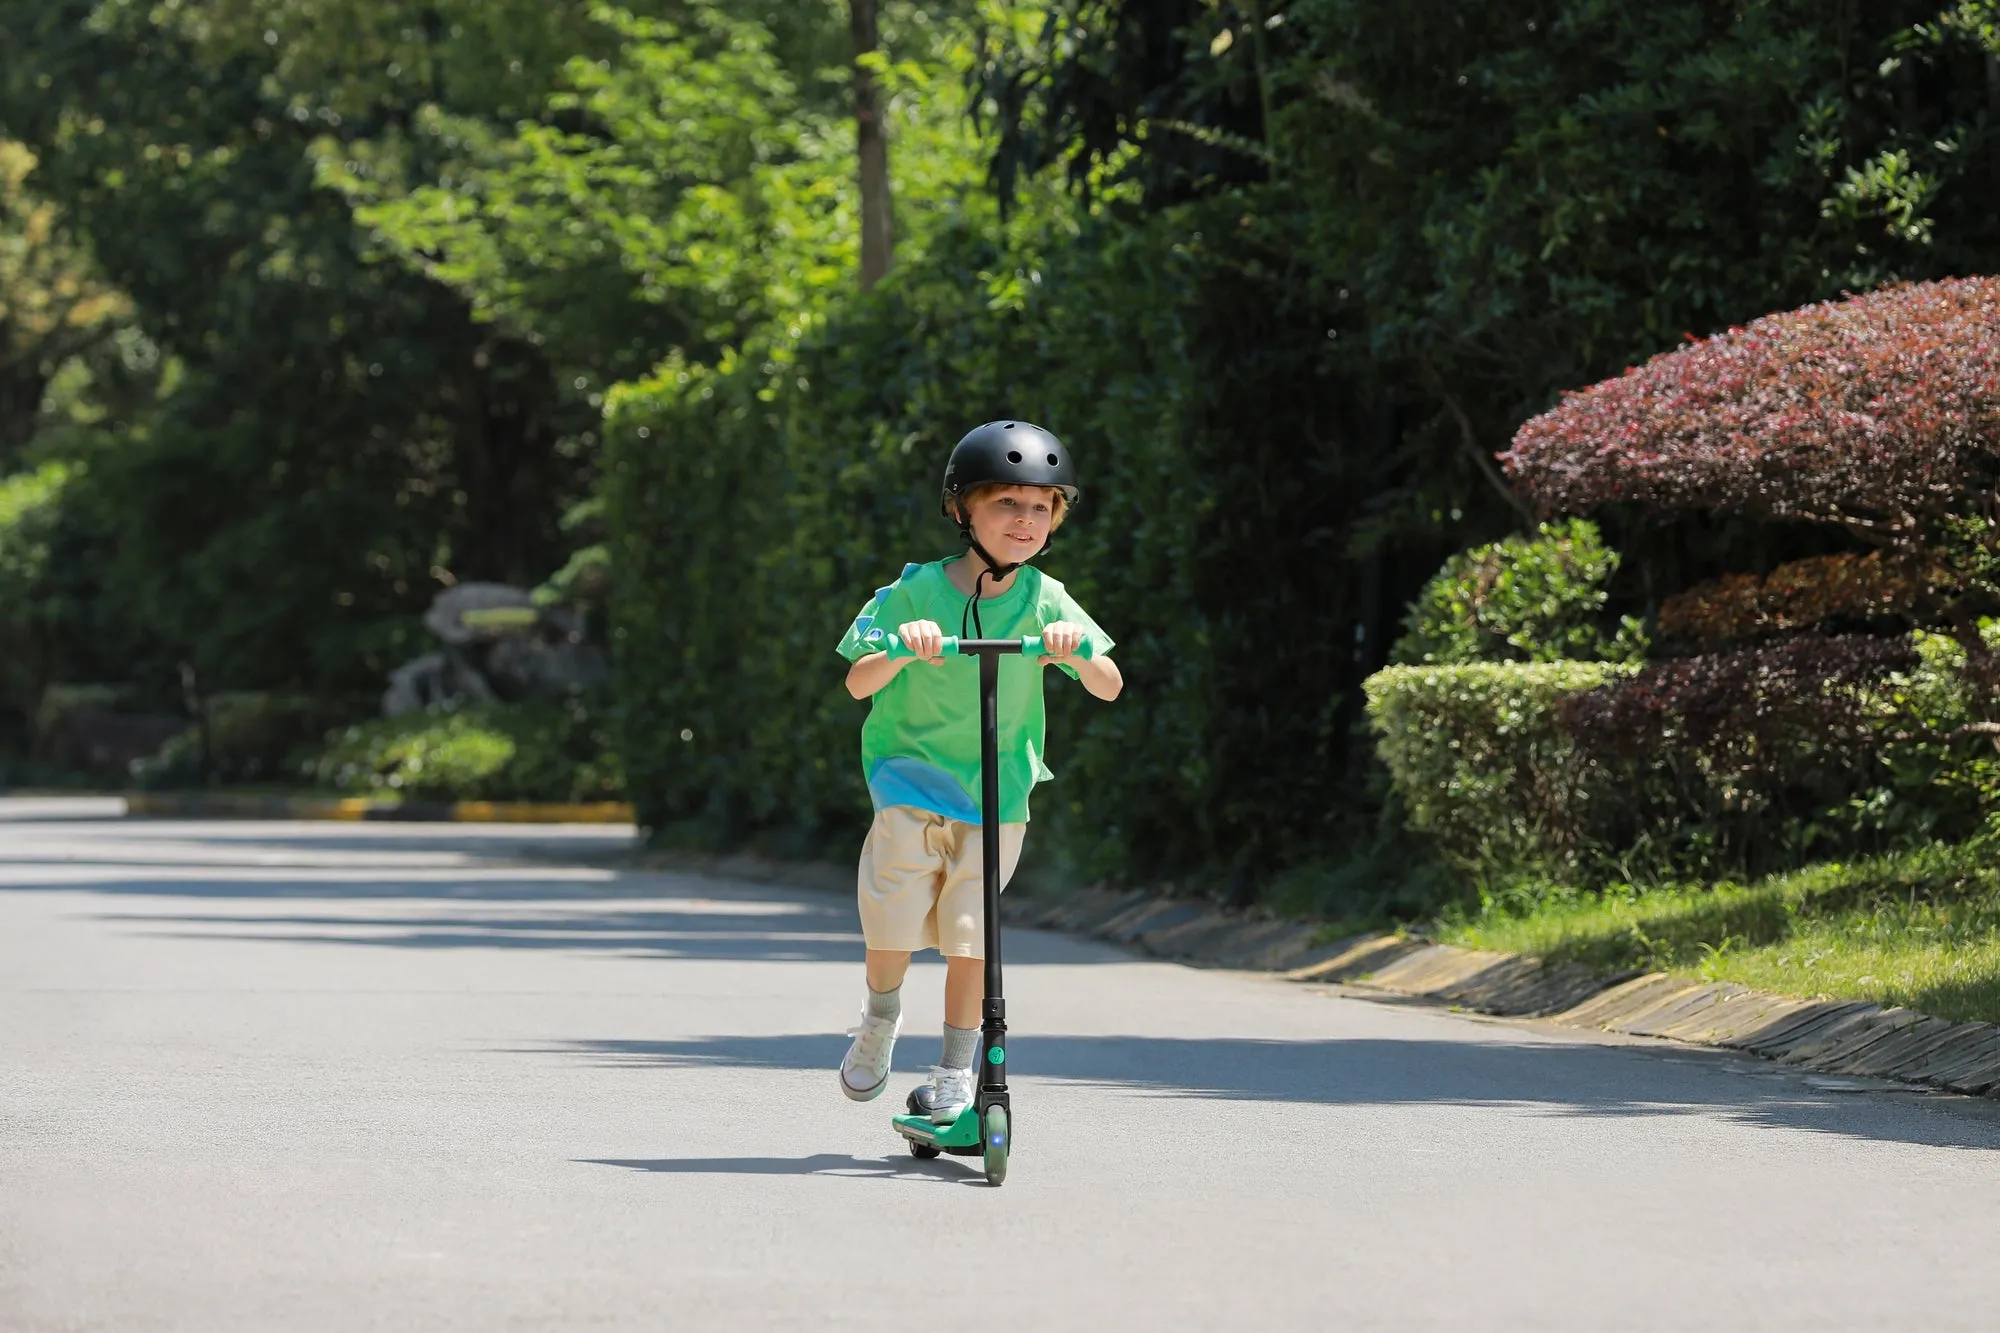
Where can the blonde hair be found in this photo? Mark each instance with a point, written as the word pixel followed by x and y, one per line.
pixel 1058 502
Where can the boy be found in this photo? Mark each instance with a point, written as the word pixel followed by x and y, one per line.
pixel 1008 486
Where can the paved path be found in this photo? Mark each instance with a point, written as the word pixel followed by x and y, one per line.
pixel 301 1077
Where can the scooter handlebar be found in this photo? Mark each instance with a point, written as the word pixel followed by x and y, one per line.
pixel 1031 646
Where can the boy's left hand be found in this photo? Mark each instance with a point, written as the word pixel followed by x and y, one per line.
pixel 1060 640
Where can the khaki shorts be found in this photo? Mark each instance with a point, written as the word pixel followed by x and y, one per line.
pixel 920 882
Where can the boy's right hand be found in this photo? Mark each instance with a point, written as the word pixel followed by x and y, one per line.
pixel 924 639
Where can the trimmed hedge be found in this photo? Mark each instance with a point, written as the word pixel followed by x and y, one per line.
pixel 540 750
pixel 753 507
pixel 1748 762
pixel 1479 758
pixel 1533 599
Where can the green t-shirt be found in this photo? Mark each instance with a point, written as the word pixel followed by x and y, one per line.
pixel 920 745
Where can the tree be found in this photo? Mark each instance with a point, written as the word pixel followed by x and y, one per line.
pixel 1489 204
pixel 878 228
pixel 341 436
pixel 54 305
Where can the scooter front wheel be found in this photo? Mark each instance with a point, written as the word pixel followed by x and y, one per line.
pixel 997 1137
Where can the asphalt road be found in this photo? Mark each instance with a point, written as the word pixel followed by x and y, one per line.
pixel 299 1077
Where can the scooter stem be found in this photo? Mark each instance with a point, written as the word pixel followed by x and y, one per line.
pixel 993 1030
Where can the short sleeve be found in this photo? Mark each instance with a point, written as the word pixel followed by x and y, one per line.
pixel 1062 606
pixel 875 620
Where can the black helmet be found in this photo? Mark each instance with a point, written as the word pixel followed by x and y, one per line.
pixel 1007 453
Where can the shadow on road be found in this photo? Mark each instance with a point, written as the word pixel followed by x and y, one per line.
pixel 804 935
pixel 427 894
pixel 1534 1077
pixel 942 1171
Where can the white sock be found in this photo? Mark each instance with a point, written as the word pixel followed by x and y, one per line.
pixel 959 1044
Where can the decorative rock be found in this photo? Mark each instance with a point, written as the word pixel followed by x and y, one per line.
pixel 446 618
pixel 497 644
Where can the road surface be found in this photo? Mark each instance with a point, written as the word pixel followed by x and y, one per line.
pixel 299 1077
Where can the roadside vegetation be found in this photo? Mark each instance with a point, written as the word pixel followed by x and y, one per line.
pixel 1790 780
pixel 1919 928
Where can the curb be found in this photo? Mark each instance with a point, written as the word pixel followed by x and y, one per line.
pixel 223 805
pixel 1851 1037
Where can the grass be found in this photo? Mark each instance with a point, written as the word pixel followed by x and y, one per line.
pixel 1919 928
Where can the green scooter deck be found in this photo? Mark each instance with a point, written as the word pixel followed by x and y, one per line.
pixel 960 1137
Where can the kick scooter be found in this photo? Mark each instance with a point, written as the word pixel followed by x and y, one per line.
pixel 985 1128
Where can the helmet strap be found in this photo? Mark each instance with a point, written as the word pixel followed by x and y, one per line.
pixel 993 570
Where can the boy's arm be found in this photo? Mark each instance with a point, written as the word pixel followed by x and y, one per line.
pixel 869 674
pixel 1099 675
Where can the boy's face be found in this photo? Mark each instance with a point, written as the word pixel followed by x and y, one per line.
pixel 1013 522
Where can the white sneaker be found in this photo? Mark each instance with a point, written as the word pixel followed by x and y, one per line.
pixel 947 1094
pixel 864 1070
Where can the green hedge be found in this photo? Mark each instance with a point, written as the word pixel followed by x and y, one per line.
pixel 753 507
pixel 1480 764
pixel 540 750
pixel 252 736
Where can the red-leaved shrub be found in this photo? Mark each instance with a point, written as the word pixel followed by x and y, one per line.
pixel 1793 596
pixel 1880 412
pixel 1742 708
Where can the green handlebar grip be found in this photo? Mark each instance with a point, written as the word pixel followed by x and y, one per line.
pixel 1032 647
pixel 898 649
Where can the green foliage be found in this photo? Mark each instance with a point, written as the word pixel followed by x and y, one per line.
pixel 248 737
pixel 1940 776
pixel 29 507
pixel 339 438
pixel 544 750
pixel 1512 770
pixel 1918 928
pixel 1521 599
pixel 54 304
pixel 1497 203
pixel 756 505
pixel 706 192
pixel 1479 761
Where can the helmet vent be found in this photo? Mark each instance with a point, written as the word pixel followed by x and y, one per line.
pixel 1013 455
pixel 1008 426
pixel 1053 460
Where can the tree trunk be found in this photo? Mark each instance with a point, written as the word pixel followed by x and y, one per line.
pixel 21 388
pixel 503 456
pixel 878 234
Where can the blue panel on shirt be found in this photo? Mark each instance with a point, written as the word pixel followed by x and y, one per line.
pixel 900 780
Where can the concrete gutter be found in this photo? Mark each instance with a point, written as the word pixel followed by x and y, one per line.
pixel 239 805
pixel 1831 1036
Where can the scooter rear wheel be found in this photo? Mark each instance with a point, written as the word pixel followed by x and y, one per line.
pixel 923 1151
pixel 997 1138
